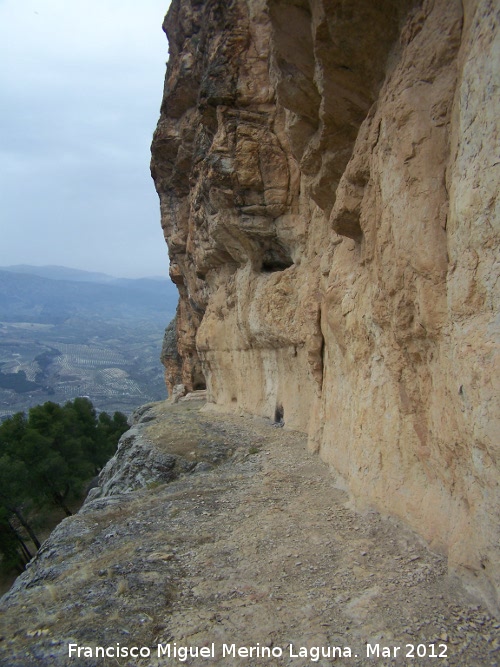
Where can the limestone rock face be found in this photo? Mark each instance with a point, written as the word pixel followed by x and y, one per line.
pixel 328 182
pixel 171 358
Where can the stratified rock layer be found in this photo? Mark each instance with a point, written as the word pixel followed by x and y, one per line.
pixel 328 180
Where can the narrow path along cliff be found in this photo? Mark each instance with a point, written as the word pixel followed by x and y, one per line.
pixel 253 547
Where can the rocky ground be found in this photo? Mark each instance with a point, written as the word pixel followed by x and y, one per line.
pixel 249 544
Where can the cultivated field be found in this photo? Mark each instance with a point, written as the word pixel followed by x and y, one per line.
pixel 118 371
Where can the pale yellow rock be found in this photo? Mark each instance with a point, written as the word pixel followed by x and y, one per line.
pixel 328 182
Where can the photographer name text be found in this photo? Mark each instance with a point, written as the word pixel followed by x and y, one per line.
pixel 181 653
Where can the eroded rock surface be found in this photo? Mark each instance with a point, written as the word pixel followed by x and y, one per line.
pixel 147 456
pixel 263 548
pixel 328 180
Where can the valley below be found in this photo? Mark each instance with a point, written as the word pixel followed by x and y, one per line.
pixel 60 339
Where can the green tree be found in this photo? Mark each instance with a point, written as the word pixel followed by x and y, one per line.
pixel 108 432
pixel 55 444
pixel 15 505
pixel 12 431
pixel 15 552
pixel 45 460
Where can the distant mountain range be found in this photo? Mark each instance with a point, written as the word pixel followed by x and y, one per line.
pixel 77 275
pixel 50 294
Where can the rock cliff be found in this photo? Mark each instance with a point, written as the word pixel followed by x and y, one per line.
pixel 328 182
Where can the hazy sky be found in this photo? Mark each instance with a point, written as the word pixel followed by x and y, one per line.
pixel 81 86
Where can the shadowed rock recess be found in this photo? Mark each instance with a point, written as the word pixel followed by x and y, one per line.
pixel 328 179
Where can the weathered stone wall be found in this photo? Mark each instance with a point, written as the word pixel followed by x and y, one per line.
pixel 328 180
